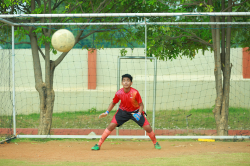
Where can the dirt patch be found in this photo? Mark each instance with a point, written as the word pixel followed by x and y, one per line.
pixel 113 151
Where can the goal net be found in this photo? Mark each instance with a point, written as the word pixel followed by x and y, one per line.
pixel 6 88
pixel 178 87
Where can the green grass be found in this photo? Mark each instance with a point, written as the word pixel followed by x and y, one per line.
pixel 203 159
pixel 210 159
pixel 43 140
pixel 170 119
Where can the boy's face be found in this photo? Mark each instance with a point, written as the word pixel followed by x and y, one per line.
pixel 126 82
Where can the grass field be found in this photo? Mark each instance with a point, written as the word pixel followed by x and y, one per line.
pixel 239 118
pixel 239 159
pixel 69 152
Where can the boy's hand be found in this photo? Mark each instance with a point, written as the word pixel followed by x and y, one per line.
pixel 137 116
pixel 103 114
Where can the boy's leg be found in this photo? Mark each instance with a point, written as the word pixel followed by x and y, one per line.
pixel 143 122
pixel 119 118
pixel 105 134
pixel 151 135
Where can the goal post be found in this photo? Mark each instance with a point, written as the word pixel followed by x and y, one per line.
pixel 179 91
pixel 154 80
pixel 7 89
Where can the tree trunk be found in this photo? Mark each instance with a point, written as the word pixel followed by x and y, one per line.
pixel 45 90
pixel 218 79
pixel 47 99
pixel 48 95
pixel 223 40
pixel 226 79
pixel 46 111
pixel 222 64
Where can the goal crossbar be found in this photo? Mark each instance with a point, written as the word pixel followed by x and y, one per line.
pixel 87 15
pixel 129 23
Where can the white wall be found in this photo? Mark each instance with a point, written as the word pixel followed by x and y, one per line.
pixel 181 83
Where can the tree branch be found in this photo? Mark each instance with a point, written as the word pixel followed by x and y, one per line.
pixel 21 43
pixel 69 11
pixel 126 39
pixel 15 43
pixel 57 4
pixel 189 37
pixel 201 41
pixel 38 2
pixel 93 32
pixel 50 20
pixel 78 38
pixel 60 58
pixel 73 8
pixel 194 35
pixel 103 3
pixel 234 5
pixel 92 6
pixel 173 38
pixel 39 49
pixel 80 5
pixel 182 4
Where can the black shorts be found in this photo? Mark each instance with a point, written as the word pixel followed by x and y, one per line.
pixel 122 116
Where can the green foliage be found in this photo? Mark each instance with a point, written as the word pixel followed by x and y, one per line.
pixel 38 10
pixel 169 42
pixel 92 110
pixel 123 52
pixel 20 33
pixel 67 6
pixel 210 8
pixel 164 42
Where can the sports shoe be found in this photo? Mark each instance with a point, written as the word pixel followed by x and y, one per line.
pixel 157 146
pixel 96 147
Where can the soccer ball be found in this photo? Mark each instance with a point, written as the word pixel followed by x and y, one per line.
pixel 63 40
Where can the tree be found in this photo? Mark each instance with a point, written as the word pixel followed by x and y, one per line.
pixel 167 43
pixel 38 37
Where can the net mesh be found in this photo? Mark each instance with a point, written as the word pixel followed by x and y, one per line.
pixel 6 90
pixel 185 85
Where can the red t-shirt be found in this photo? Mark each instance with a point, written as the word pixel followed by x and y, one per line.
pixel 129 101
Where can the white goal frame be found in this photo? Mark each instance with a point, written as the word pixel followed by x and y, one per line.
pixel 145 15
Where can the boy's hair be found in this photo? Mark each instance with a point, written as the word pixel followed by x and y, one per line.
pixel 128 76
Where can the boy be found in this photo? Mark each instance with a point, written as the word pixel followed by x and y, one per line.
pixel 131 107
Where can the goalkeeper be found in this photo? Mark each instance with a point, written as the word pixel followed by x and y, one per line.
pixel 131 107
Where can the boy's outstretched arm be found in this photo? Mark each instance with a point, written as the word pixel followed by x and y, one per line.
pixel 111 106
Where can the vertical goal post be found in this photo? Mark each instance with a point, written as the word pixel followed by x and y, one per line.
pixel 13 24
pixel 154 84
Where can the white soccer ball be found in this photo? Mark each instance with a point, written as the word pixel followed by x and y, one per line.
pixel 63 40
